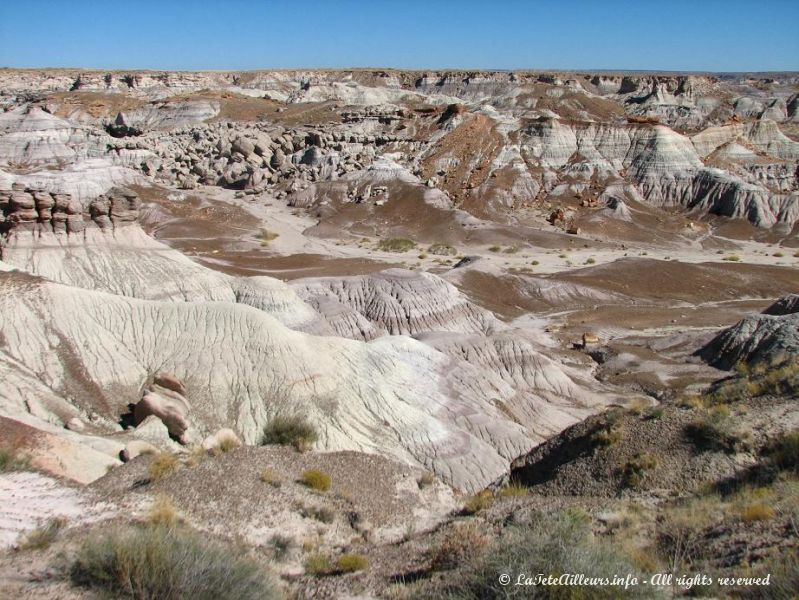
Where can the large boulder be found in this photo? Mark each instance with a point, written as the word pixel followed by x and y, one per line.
pixel 170 406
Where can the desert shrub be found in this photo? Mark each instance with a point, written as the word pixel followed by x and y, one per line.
pixel 635 469
pixel 732 258
pixel 41 537
pixel 282 545
pixel 462 544
pixel 716 432
pixel 316 480
pixel 265 236
pixel 163 465
pixel 778 255
pixel 785 451
pixel 157 563
pixel 318 564
pixel 442 250
pixel 290 430
pixel 226 445
pixel 655 413
pixel 320 513
pixel 269 476
pixel 691 401
pixel 396 245
pixel 511 250
pixel 480 501
pixel 350 563
pixel 13 460
pixel 552 544
pixel 590 260
pixel 163 512
pixel 610 432
pixel 637 405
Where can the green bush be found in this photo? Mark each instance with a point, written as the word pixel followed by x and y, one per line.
pixel 316 480
pixel 290 430
pixel 396 245
pixel 160 563
pixel 552 544
pixel 350 563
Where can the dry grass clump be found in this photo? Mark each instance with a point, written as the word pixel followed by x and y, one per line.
pixel 317 563
pixel 270 477
pixel 637 406
pixel 197 454
pixel 396 245
pixel 636 468
pixel 351 563
pixel 265 236
pixel 157 563
pixel 495 248
pixel 513 490
pixel 464 542
pixel 42 537
pixel 610 432
pixel 162 466
pixel 163 512
pixel 478 502
pixel 290 430
pixel 320 513
pixel 316 480
pixel 442 250
pixel 282 545
pixel 756 511
pixel 425 480
pixel 226 445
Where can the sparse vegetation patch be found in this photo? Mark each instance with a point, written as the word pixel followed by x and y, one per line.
pixel 290 430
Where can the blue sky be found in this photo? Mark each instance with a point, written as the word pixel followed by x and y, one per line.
pixel 696 35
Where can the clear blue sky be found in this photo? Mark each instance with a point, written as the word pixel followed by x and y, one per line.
pixel 696 35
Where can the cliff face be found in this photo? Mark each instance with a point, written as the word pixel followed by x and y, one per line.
pixel 701 142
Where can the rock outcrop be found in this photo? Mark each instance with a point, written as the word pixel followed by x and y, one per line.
pixel 758 340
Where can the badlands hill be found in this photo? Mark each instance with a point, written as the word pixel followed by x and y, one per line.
pixel 456 280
